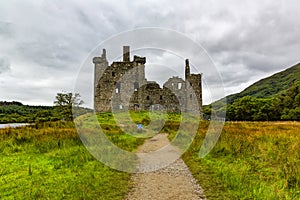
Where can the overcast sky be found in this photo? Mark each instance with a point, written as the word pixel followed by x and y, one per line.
pixel 44 43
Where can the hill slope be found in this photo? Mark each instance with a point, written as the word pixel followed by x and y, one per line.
pixel 270 86
pixel 273 98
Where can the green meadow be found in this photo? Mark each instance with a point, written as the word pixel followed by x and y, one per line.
pixel 48 161
pixel 251 160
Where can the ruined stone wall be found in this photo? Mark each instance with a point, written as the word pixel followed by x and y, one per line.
pixel 194 93
pixel 123 86
pixel 131 78
pixel 176 86
pixel 152 97
pixel 146 96
pixel 115 84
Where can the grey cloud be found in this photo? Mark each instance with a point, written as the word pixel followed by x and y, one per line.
pixel 4 65
pixel 5 29
pixel 246 40
pixel 258 46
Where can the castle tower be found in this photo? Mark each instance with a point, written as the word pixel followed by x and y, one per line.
pixel 100 65
pixel 193 89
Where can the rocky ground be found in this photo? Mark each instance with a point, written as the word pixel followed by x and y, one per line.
pixel 174 181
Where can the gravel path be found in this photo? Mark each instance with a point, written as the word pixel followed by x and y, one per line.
pixel 174 181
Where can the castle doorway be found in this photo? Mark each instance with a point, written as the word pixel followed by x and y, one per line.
pixel 136 106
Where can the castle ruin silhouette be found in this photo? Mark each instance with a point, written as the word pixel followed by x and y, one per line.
pixel 123 86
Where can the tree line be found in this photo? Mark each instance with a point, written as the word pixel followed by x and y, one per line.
pixel 16 112
pixel 284 106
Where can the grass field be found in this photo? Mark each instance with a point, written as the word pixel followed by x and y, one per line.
pixel 252 160
pixel 48 161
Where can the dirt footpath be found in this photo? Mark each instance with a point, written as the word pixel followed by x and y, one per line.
pixel 172 182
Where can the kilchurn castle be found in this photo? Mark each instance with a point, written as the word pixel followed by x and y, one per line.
pixel 123 86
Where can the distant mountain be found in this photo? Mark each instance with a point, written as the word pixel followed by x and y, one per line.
pixel 270 86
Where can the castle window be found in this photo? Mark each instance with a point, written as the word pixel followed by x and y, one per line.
pixel 113 74
pixel 136 86
pixel 120 107
pixel 148 98
pixel 191 84
pixel 191 96
pixel 118 87
pixel 179 86
pixel 160 97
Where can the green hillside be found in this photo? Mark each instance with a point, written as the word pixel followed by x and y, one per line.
pixel 270 86
pixel 273 98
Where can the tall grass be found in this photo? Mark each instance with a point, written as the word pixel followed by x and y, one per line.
pixel 48 161
pixel 252 160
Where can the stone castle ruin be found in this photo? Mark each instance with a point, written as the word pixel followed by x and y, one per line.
pixel 122 86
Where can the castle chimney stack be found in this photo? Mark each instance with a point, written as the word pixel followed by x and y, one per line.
pixel 103 53
pixel 187 69
pixel 126 53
